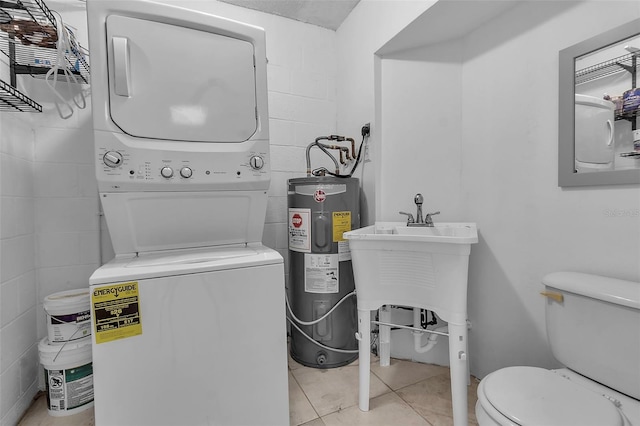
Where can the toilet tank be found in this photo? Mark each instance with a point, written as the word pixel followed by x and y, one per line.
pixel 594 329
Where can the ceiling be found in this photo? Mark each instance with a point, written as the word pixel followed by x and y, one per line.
pixel 323 13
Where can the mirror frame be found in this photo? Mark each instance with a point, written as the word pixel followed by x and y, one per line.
pixel 566 112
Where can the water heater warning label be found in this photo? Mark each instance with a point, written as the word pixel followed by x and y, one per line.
pixel 341 224
pixel 116 311
pixel 300 230
pixel 321 273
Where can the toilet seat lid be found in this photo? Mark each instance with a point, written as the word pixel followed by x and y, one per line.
pixel 535 396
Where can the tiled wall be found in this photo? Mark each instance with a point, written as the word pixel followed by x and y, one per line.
pixel 50 233
pixel 18 330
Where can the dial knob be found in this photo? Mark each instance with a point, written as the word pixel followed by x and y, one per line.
pixel 186 172
pixel 112 159
pixel 166 172
pixel 256 162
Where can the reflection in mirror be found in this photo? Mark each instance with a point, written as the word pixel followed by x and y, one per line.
pixel 607 106
pixel 599 109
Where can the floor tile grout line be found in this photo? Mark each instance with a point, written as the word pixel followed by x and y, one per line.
pixel 305 395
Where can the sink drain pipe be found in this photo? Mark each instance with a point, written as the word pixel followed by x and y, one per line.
pixel 417 335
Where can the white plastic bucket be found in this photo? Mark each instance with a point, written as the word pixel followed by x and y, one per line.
pixel 68 315
pixel 68 376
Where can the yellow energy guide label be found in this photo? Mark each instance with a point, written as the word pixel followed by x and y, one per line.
pixel 116 311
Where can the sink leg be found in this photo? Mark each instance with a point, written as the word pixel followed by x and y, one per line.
pixel 385 336
pixel 459 379
pixel 364 352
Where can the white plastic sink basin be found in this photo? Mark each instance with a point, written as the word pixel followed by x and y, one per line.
pixel 452 233
pixel 403 265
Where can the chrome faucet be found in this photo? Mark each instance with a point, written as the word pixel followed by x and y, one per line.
pixel 419 220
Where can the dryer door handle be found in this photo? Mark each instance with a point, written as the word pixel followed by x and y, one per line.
pixel 121 66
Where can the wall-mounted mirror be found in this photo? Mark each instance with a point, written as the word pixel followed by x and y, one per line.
pixel 599 109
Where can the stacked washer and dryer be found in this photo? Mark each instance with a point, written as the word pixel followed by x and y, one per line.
pixel 189 318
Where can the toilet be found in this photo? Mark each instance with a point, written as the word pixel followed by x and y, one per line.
pixel 593 328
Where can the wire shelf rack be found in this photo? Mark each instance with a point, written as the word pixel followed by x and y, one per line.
pixel 615 65
pixel 28 38
pixel 13 100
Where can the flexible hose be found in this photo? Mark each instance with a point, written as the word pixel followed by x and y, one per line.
pixel 316 321
pixel 295 319
pixel 342 351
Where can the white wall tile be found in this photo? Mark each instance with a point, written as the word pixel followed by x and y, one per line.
pixel 309 84
pixel 27 291
pixel 9 308
pixel 57 249
pixel 298 108
pixel 89 244
pixel 29 368
pixel 87 182
pixel 64 145
pixel 276 210
pixel 10 385
pixel 17 256
pixel 278 79
pixel 16 176
pixel 288 159
pixel 55 180
pixel 16 216
pixel 305 133
pixel 66 214
pixel 17 136
pixel 281 132
pixel 269 238
pixel 56 279
pixel 279 186
pixel 16 338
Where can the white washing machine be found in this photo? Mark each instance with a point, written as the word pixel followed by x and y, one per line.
pixel 189 318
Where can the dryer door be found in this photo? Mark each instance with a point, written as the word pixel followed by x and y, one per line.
pixel 177 83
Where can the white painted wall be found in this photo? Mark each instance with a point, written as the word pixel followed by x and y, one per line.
pixel 505 174
pixel 529 226
pixel 367 28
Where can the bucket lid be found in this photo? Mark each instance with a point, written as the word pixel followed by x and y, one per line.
pixel 535 396
pixel 68 297
pixel 46 347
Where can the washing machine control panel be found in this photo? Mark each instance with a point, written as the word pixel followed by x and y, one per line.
pixel 121 166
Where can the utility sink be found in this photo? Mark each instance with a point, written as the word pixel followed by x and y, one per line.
pixel 452 233
pixel 420 267
pixel 399 264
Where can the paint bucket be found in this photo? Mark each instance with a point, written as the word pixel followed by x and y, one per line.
pixel 68 376
pixel 68 315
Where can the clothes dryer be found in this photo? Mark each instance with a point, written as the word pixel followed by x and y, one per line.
pixel 189 318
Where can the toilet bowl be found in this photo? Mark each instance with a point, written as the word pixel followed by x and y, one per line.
pixel 600 385
pixel 522 396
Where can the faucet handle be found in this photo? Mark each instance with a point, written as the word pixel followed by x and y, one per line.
pixel 410 218
pixel 427 218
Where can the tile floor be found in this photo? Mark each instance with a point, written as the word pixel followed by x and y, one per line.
pixel 405 393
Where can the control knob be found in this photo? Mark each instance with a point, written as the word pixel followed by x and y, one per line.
pixel 112 159
pixel 186 172
pixel 166 172
pixel 256 162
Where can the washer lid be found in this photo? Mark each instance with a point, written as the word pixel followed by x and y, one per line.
pixel 535 396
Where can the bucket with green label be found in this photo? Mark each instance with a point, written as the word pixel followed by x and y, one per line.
pixel 68 374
